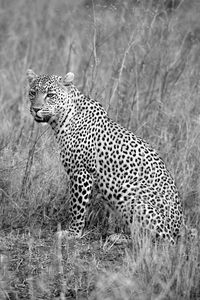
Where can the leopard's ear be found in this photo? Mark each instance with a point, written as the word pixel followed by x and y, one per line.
pixel 30 75
pixel 68 79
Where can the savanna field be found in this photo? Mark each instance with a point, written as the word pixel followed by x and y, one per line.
pixel 141 60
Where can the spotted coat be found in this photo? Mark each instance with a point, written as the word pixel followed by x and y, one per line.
pixel 128 171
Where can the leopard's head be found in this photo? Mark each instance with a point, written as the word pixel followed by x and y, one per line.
pixel 48 95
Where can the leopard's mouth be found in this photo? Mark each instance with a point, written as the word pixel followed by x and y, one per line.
pixel 38 117
pixel 44 119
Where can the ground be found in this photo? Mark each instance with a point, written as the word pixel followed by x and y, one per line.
pixel 41 267
pixel 38 265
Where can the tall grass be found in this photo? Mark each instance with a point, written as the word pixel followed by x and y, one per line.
pixel 141 61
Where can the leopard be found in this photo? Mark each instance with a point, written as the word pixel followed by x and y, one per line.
pixel 94 149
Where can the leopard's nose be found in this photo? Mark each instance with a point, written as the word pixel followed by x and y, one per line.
pixel 36 109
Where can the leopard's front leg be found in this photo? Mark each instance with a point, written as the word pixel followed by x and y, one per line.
pixel 80 191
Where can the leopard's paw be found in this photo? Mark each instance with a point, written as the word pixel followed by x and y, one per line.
pixel 118 239
pixel 67 235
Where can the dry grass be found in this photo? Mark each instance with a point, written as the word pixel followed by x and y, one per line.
pixel 141 61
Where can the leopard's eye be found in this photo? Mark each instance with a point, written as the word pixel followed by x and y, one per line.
pixel 50 94
pixel 32 93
